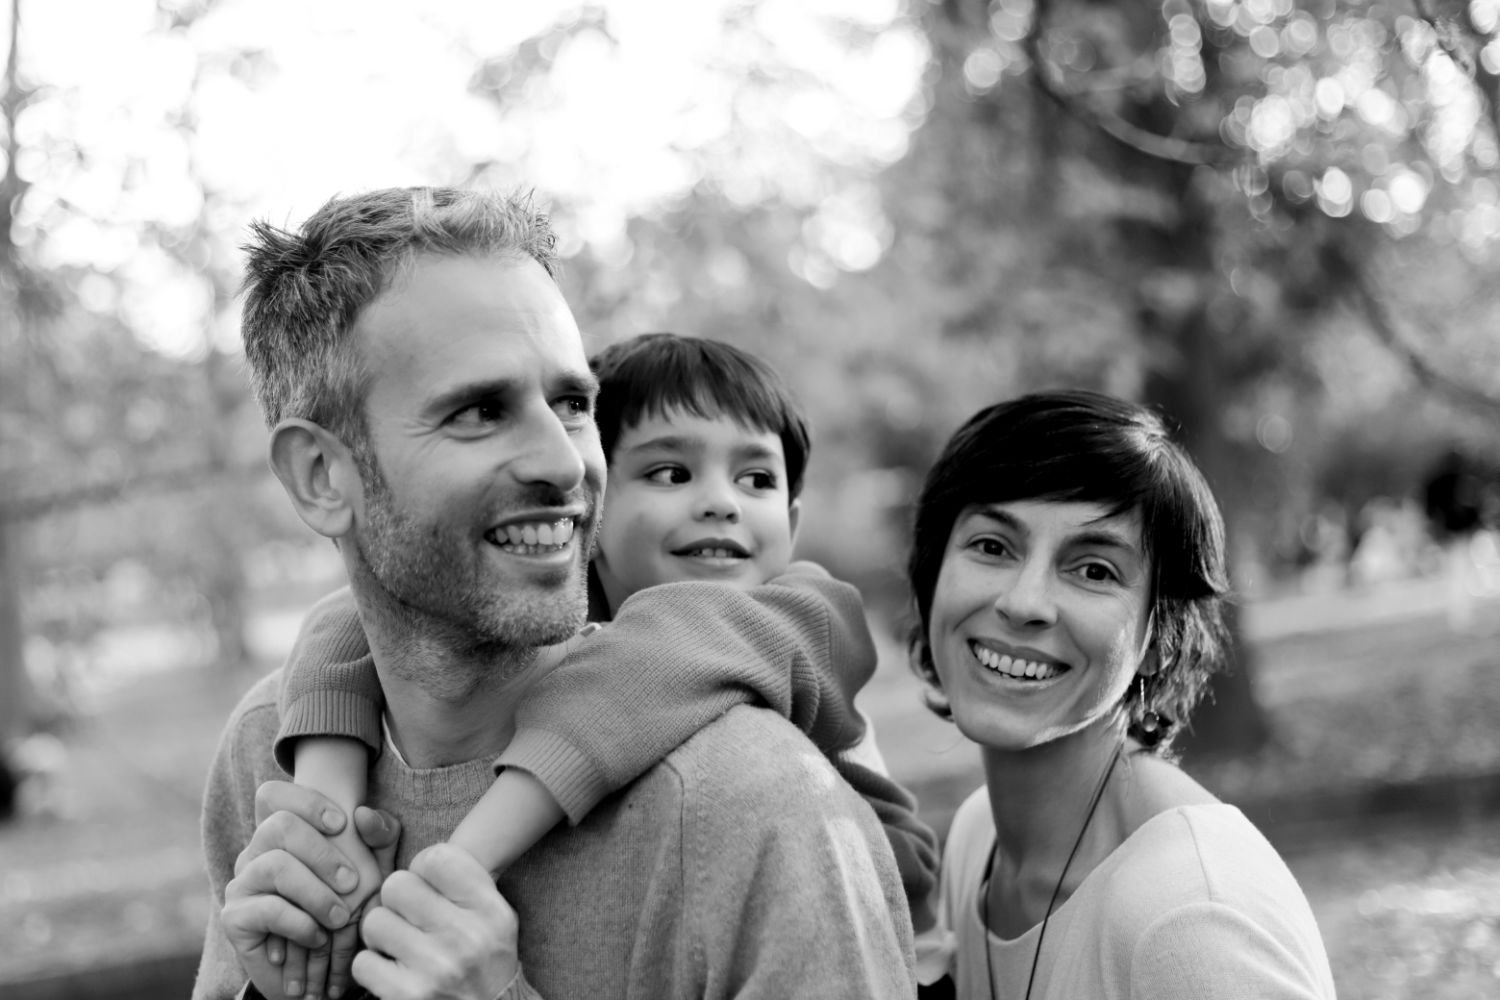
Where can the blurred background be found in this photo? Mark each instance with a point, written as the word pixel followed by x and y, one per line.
pixel 1277 220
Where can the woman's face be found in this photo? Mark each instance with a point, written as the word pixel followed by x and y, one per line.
pixel 1040 619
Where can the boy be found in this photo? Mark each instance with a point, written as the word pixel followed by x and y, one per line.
pixel 706 454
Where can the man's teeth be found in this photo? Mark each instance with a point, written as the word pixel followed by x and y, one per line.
pixel 536 536
pixel 1012 667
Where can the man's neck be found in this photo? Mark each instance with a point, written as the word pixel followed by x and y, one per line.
pixel 449 698
pixel 435 729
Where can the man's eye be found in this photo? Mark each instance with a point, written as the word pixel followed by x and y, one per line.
pixel 477 415
pixel 667 475
pixel 574 407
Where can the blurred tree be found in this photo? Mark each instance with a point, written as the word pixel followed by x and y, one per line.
pixel 1229 174
pixel 111 450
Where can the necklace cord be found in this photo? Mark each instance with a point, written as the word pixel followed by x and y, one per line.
pixel 1056 889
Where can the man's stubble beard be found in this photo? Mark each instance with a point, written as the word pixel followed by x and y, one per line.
pixel 431 586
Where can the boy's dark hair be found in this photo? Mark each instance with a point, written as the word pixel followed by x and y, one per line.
pixel 654 373
pixel 1084 447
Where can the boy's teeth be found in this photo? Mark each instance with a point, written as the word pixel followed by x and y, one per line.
pixel 1012 667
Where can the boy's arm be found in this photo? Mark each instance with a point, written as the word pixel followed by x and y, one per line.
pixel 329 700
pixel 676 657
pixel 512 816
pixel 329 686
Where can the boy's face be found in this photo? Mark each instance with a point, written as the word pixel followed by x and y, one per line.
pixel 691 498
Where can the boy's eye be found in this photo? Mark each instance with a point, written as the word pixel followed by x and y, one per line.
pixel 667 475
pixel 758 479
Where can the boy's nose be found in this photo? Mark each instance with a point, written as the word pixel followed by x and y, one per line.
pixel 719 504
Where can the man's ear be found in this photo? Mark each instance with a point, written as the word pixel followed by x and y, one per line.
pixel 319 474
pixel 794 516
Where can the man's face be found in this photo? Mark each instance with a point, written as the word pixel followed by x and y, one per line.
pixel 481 511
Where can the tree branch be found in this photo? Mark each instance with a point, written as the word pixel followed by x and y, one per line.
pixel 1452 40
pixel 1077 106
pixel 21 506
pixel 1367 302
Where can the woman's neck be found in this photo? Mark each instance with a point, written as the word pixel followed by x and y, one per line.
pixel 1040 799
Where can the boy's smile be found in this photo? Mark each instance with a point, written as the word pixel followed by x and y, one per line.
pixel 694 498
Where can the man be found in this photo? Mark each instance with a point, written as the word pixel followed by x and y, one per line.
pixel 430 405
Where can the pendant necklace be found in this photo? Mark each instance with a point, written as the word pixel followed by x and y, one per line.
pixel 989 966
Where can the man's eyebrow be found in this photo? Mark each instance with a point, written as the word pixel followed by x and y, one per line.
pixel 583 383
pixel 468 393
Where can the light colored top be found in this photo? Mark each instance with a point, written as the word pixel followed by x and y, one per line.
pixel 740 866
pixel 1195 905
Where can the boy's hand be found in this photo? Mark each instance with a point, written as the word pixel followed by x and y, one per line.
pixel 370 842
pixel 297 865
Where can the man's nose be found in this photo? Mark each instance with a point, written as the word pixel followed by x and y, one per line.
pixel 552 453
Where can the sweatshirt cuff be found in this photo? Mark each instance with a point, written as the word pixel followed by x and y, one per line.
pixel 565 771
pixel 353 716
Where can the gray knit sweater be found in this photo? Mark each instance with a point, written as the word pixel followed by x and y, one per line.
pixel 741 866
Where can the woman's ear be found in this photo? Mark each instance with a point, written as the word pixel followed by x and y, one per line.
pixel 319 474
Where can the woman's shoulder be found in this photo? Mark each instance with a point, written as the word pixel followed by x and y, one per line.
pixel 1199 853
pixel 1203 874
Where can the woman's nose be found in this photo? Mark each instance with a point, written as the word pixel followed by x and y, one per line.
pixel 1027 598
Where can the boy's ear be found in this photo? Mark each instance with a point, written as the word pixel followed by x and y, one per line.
pixel 318 472
pixel 794 517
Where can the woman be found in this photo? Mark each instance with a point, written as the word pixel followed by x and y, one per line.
pixel 1068 570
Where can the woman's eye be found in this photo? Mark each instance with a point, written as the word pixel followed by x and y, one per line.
pixel 989 546
pixel 667 475
pixel 1098 572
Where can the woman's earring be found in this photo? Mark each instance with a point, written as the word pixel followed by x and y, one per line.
pixel 1150 721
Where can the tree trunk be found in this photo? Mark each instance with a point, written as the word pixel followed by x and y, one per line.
pixel 15 685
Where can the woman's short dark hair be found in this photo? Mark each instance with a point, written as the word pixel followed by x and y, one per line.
pixel 1085 447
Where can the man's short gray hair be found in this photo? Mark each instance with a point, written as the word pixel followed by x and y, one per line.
pixel 305 290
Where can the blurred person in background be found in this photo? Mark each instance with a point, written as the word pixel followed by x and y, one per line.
pixel 1453 500
pixel 1068 571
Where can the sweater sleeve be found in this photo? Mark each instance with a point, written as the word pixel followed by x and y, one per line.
pixel 329 687
pixel 676 657
pixel 913 842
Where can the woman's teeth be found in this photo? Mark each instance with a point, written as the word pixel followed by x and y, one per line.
pixel 1010 666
